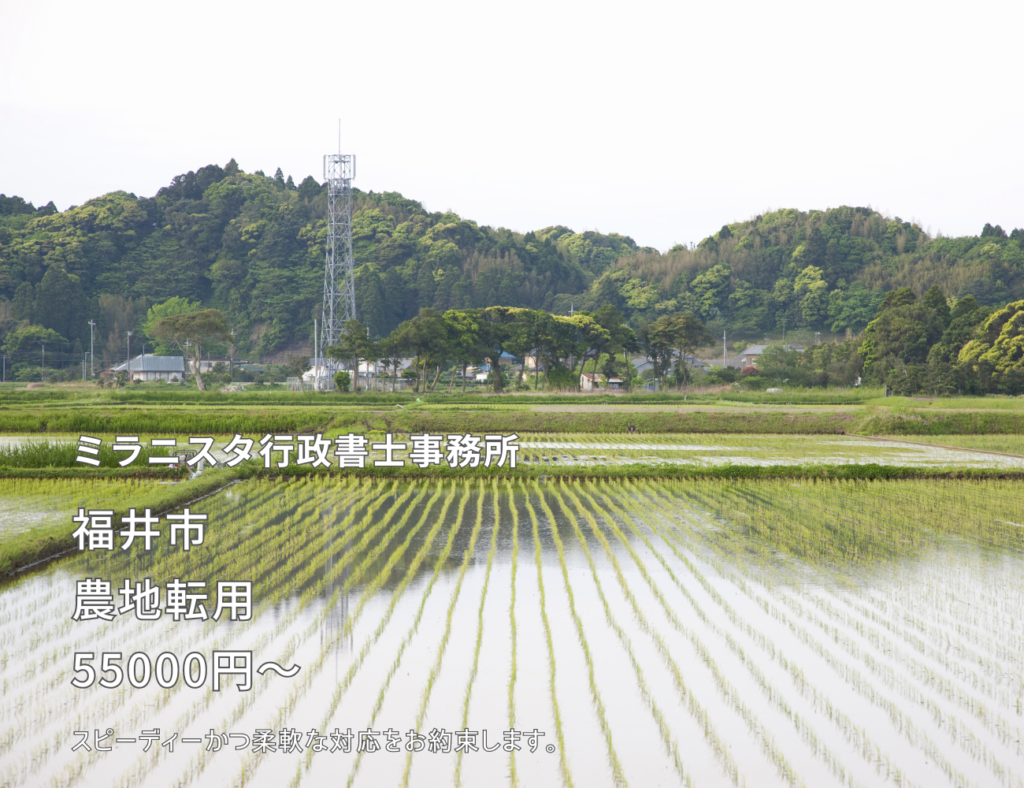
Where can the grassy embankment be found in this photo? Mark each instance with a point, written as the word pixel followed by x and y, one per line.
pixel 200 420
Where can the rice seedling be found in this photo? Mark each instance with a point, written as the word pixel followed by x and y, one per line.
pixel 563 764
pixel 847 632
pixel 405 642
pixel 479 627
pixel 372 639
pixel 903 722
pixel 436 668
pixel 671 745
pixel 513 668
pixel 613 758
pixel 368 592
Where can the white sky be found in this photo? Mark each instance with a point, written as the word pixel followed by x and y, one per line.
pixel 662 121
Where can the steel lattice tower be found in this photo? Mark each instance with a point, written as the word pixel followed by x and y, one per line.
pixel 339 274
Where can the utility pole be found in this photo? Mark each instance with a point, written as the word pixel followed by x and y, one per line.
pixel 316 359
pixel 42 369
pixel 83 366
pixel 129 365
pixel 723 350
pixel 231 358
pixel 92 353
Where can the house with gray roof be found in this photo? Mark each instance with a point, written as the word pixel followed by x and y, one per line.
pixel 151 367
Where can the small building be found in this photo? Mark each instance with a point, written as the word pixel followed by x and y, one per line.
pixel 149 367
pixel 591 381
pixel 208 364
pixel 641 363
pixel 750 356
pixel 615 383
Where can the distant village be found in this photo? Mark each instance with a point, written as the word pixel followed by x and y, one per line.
pixel 148 367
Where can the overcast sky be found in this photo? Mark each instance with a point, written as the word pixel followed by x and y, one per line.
pixel 662 121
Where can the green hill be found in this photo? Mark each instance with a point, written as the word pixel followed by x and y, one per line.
pixel 252 246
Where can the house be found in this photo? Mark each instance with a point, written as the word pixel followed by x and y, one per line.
pixel 150 367
pixel 750 356
pixel 640 363
pixel 208 364
pixel 591 381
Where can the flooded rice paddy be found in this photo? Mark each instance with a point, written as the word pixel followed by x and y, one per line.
pixel 656 633
pixel 28 502
pixel 998 451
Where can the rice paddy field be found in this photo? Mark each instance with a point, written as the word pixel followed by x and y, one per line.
pixel 710 449
pixel 28 502
pixel 767 450
pixel 702 633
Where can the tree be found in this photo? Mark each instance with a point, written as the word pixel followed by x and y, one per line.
pixel 591 338
pixel 657 349
pixel 684 333
pixel 902 296
pixel 157 312
pixel 1000 340
pixel 426 336
pixel 189 331
pixel 812 292
pixel 902 334
pixel 24 305
pixel 353 344
pixel 390 349
pixel 60 301
pixel 465 342
pixel 556 343
pixel 297 365
pixel 342 380
pixel 24 342
pixel 936 301
pixel 496 330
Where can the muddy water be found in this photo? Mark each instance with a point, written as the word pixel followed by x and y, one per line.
pixel 663 633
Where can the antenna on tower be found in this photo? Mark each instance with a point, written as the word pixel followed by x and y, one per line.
pixel 339 274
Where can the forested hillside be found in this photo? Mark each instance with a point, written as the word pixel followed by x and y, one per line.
pixel 252 246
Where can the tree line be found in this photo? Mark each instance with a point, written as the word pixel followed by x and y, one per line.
pixel 914 346
pixel 562 345
pixel 252 247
